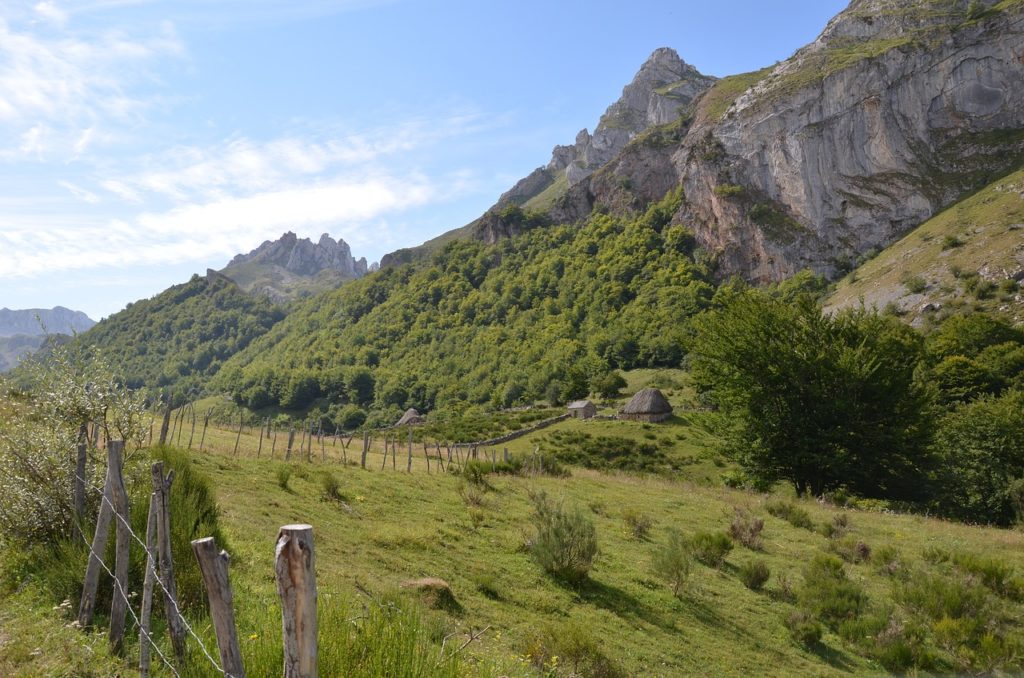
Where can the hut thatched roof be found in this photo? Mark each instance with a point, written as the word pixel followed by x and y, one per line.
pixel 411 416
pixel 648 401
pixel 578 404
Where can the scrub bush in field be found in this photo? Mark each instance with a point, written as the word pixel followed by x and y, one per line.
pixel 566 542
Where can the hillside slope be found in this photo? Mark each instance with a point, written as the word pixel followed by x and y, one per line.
pixel 969 257
pixel 179 338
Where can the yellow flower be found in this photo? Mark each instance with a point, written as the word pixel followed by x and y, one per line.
pixel 254 636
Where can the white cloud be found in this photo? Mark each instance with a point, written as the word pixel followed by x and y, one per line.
pixel 79 192
pixel 66 82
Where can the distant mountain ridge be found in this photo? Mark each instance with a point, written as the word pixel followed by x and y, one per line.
pixel 56 320
pixel 290 266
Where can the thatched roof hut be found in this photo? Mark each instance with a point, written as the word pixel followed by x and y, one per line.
pixel 648 405
pixel 582 409
pixel 411 417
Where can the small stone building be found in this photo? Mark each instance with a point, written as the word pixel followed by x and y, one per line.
pixel 410 418
pixel 648 405
pixel 582 409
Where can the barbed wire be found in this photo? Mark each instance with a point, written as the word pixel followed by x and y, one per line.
pixel 128 606
pixel 156 577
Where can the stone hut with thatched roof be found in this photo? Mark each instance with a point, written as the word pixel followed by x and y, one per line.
pixel 582 409
pixel 648 405
pixel 410 418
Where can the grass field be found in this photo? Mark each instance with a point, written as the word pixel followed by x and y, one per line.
pixel 383 527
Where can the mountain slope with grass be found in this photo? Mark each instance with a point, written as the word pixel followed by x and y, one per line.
pixel 179 338
pixel 968 258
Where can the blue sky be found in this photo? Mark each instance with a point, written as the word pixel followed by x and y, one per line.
pixel 143 141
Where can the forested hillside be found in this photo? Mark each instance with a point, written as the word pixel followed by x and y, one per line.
pixel 547 314
pixel 179 338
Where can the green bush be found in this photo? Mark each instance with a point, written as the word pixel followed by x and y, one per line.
pixel 569 645
pixel 828 594
pixel 915 284
pixel 566 542
pixel 754 574
pixel 850 549
pixel 791 513
pixel 936 596
pixel 637 524
pixel 746 528
pixel 951 242
pixel 283 474
pixel 887 560
pixel 997 575
pixel 673 561
pixel 837 527
pixel 804 628
pixel 711 548
pixel 330 489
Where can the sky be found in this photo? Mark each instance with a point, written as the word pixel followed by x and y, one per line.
pixel 142 141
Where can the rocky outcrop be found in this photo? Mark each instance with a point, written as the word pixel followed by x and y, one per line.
pixel 300 256
pixel 660 93
pixel 292 267
pixel 898 109
pixel 40 321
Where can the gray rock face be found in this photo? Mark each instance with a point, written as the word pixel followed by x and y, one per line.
pixel 300 256
pixel 56 320
pixel 659 94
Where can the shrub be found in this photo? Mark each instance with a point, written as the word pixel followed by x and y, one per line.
pixel 754 574
pixel 838 527
pixel 887 560
pixel 638 524
pixel 330 489
pixel 936 555
pixel 570 644
pixel 728 190
pixel 566 542
pixel 489 585
pixel 746 528
pixel 937 597
pixel 791 513
pixel 673 561
pixel 850 549
pixel 284 474
pixel 804 628
pixel 951 241
pixel 995 574
pixel 915 284
pixel 711 548
pixel 828 594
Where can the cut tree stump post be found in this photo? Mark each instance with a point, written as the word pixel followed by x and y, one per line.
pixel 366 446
pixel 162 490
pixel 291 441
pixel 214 566
pixel 146 614
pixel 122 531
pixel 295 567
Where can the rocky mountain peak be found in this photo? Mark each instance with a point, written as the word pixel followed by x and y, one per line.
pixel 300 256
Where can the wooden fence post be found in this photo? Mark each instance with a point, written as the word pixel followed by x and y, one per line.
pixel 384 463
pixel 273 443
pixel 146 614
pixel 241 419
pixel 192 434
pixel 179 422
pixel 291 441
pixel 122 531
pixel 96 551
pixel 206 422
pixel 162 489
pixel 408 466
pixel 263 424
pixel 366 446
pixel 295 567
pixel 166 423
pixel 79 494
pixel 214 567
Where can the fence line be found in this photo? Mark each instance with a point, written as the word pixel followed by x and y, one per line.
pixel 157 578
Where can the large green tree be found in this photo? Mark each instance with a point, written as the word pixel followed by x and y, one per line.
pixel 822 401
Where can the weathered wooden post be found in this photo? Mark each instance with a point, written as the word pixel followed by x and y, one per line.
pixel 96 550
pixel 366 446
pixel 241 420
pixel 166 423
pixel 384 462
pixel 206 422
pixel 214 567
pixel 162 490
pixel 79 492
pixel 146 614
pixel 408 465
pixel 295 567
pixel 507 458
pixel 291 441
pixel 122 532
pixel 273 444
pixel 192 433
pixel 150 443
pixel 179 422
pixel 263 424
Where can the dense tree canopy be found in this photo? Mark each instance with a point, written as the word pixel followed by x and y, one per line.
pixel 547 314
pixel 822 401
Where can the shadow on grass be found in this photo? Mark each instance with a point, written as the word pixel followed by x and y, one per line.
pixel 621 603
pixel 834 657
